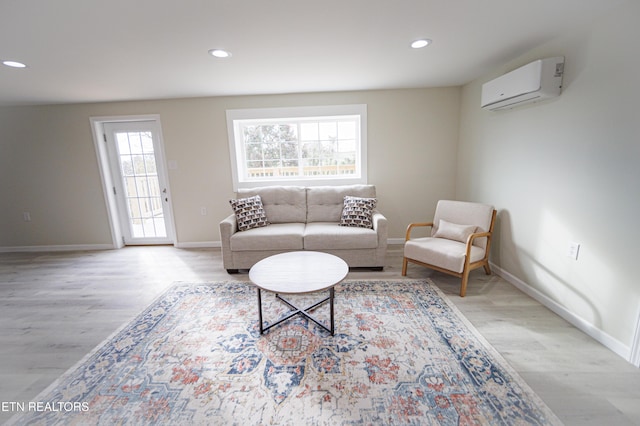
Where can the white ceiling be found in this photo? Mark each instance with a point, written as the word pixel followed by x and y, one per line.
pixel 91 50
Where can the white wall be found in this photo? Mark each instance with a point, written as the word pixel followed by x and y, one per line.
pixel 48 164
pixel 568 170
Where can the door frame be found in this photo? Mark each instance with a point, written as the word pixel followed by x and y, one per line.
pixel 107 178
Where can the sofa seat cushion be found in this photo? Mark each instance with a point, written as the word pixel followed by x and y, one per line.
pixel 277 236
pixel 332 236
pixel 447 254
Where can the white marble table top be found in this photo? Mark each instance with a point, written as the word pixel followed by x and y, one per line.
pixel 298 272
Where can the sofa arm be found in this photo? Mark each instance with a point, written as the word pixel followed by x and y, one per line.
pixel 379 220
pixel 228 227
pixel 380 225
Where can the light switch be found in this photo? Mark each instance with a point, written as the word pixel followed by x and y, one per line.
pixel 573 250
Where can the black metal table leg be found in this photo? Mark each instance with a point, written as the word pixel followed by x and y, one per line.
pixel 331 294
pixel 303 311
pixel 260 310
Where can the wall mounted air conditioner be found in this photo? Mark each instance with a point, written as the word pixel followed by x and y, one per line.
pixel 533 82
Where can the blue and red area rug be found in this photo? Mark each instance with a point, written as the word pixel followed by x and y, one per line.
pixel 401 355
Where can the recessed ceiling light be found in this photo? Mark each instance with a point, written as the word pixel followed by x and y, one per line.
pixel 14 64
pixel 219 53
pixel 421 43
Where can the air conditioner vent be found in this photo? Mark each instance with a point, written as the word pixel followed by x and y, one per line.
pixel 535 81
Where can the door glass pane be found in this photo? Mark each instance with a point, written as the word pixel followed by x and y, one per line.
pixel 150 164
pixel 123 143
pixel 147 142
pixel 134 142
pixel 154 186
pixel 138 165
pixel 141 185
pixel 134 208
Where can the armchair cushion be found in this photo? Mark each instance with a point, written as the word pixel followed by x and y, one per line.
pixel 464 213
pixel 441 252
pixel 453 231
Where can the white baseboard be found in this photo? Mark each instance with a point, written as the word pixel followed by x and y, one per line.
pixel 610 342
pixel 65 247
pixel 203 244
pixel 93 247
pixel 635 347
pixel 395 240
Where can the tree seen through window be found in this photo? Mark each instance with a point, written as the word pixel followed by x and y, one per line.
pixel 300 148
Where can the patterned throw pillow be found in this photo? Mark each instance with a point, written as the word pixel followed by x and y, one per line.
pixel 358 212
pixel 249 212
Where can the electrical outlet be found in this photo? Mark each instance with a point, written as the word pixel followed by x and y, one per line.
pixel 26 216
pixel 203 211
pixel 573 250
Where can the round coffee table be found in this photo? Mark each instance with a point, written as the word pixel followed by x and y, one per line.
pixel 298 272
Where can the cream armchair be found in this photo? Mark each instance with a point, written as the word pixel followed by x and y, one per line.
pixel 459 241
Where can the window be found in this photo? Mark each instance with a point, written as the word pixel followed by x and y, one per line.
pixel 298 146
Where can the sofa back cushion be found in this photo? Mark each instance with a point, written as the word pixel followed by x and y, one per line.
pixel 325 203
pixel 282 204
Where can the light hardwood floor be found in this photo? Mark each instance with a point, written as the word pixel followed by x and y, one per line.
pixel 56 307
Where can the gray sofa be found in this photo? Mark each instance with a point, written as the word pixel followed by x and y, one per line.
pixel 305 218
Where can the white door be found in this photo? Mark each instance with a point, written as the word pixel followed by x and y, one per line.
pixel 140 182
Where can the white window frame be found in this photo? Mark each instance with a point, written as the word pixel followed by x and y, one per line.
pixel 236 144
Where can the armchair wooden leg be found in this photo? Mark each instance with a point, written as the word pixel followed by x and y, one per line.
pixel 404 266
pixel 465 281
pixel 487 269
